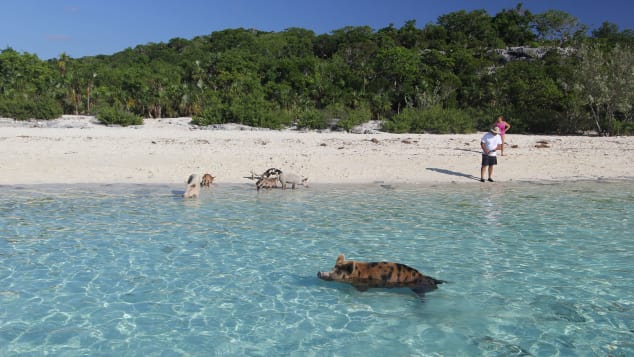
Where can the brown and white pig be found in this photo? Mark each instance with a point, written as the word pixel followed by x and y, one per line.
pixel 207 180
pixel 364 276
pixel 192 189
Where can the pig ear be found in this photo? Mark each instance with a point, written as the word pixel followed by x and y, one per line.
pixel 340 259
pixel 348 267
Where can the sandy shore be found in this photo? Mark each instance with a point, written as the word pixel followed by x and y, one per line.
pixel 76 149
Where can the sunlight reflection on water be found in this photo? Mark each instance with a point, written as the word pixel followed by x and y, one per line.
pixel 533 268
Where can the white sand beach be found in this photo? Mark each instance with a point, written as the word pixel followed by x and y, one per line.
pixel 76 149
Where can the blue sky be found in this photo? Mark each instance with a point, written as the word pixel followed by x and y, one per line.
pixel 80 28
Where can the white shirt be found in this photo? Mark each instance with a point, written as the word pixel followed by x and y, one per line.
pixel 491 142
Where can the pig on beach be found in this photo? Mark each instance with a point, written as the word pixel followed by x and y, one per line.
pixel 266 182
pixel 293 179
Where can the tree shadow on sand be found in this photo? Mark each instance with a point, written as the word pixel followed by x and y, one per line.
pixel 453 173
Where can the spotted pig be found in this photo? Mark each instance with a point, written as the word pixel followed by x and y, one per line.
pixel 364 276
pixel 192 188
pixel 272 172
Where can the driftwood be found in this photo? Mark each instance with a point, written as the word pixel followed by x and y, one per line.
pixel 542 144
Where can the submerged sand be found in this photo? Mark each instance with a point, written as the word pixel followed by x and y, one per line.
pixel 76 149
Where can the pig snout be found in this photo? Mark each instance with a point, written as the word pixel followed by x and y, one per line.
pixel 324 275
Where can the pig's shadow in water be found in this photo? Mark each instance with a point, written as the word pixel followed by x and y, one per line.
pixel 370 292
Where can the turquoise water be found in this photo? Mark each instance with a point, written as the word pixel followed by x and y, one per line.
pixel 124 270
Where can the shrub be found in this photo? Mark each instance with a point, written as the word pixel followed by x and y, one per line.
pixel 263 116
pixel 349 118
pixel 623 128
pixel 209 116
pixel 275 119
pixel 435 120
pixel 212 112
pixel 114 116
pixel 312 119
pixel 399 123
pixel 23 108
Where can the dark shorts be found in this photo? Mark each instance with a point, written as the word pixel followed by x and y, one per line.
pixel 489 160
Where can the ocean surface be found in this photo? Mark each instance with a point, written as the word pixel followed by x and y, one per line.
pixel 532 269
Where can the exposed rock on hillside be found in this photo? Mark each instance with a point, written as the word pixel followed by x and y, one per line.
pixel 530 53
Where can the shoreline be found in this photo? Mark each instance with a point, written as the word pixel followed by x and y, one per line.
pixel 178 188
pixel 77 150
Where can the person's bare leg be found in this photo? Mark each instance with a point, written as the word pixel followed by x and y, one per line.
pixel 502 147
pixel 482 172
pixel 490 172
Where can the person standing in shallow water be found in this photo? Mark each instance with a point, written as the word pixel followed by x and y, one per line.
pixel 504 127
pixel 489 143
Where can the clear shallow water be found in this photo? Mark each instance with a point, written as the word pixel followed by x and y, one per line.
pixel 533 269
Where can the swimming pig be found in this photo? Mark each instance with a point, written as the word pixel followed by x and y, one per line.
pixel 364 276
pixel 293 179
pixel 193 186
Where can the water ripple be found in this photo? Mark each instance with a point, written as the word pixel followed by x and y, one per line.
pixel 533 269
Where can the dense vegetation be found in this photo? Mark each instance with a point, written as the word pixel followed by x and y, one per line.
pixel 449 76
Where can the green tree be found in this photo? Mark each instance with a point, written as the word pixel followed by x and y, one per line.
pixel 473 29
pixel 26 87
pixel 24 74
pixel 528 94
pixel 558 26
pixel 409 36
pixel 606 81
pixel 415 79
pixel 357 48
pixel 609 32
pixel 514 26
pixel 398 70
